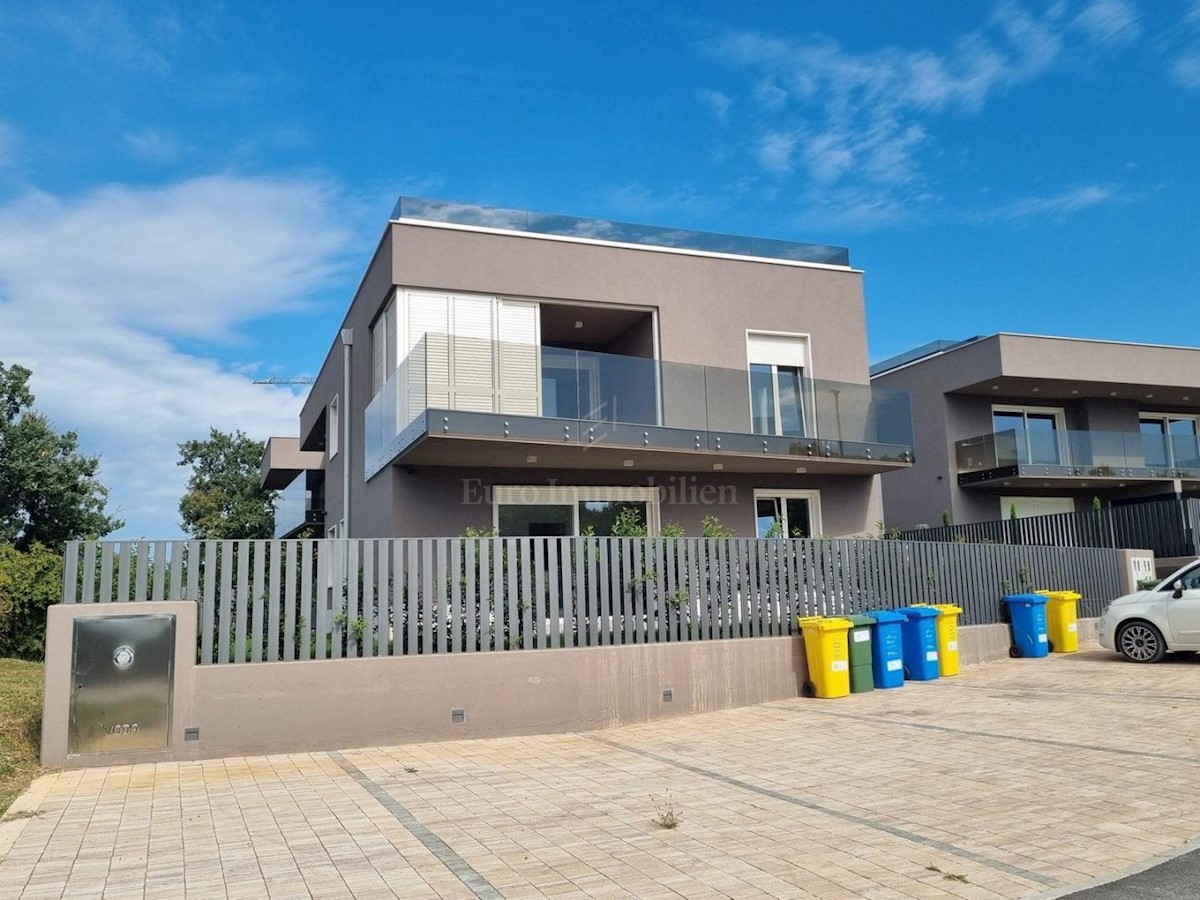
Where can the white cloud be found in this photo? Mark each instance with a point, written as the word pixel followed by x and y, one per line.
pixel 1109 22
pixel 855 128
pixel 97 293
pixel 153 145
pixel 1056 206
pixel 1187 70
pixel 718 103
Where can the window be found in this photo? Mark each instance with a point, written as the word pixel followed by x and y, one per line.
pixel 334 423
pixel 1037 431
pixel 551 511
pixel 1035 506
pixel 777 385
pixel 1169 441
pixel 795 514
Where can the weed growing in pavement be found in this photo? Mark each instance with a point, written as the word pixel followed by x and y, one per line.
pixel 667 814
pixel 949 876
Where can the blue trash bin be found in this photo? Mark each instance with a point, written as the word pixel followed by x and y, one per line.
pixel 1027 612
pixel 918 639
pixel 887 656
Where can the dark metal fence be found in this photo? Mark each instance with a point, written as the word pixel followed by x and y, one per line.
pixel 1168 527
pixel 262 601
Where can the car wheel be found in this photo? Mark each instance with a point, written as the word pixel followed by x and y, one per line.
pixel 1141 642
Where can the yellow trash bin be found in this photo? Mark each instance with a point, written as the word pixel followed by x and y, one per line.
pixel 1062 620
pixel 828 653
pixel 947 636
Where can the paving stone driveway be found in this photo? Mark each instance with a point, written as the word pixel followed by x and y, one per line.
pixel 1014 779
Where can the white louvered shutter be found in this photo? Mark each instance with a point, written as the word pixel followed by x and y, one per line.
pixel 519 358
pixel 378 355
pixel 427 349
pixel 473 360
pixel 776 349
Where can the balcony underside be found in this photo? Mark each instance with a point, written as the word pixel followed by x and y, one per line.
pixel 496 440
pixel 1075 477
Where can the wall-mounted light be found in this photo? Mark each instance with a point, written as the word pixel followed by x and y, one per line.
pixel 531 459
pixel 717 467
pixel 579 323
pixel 800 470
pixel 627 463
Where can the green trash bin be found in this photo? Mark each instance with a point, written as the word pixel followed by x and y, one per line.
pixel 862 678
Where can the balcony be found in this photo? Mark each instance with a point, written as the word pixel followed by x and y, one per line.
pixel 1065 458
pixel 294 511
pixel 283 460
pixel 468 402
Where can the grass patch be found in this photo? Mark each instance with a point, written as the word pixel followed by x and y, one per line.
pixel 20 727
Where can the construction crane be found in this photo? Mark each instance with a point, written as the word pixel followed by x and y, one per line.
pixel 287 379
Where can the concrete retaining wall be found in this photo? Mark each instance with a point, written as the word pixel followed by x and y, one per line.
pixel 283 707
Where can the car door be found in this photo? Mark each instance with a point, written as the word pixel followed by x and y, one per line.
pixel 1183 613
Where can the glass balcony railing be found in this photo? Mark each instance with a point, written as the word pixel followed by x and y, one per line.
pixel 293 508
pixel 1090 453
pixel 523 391
pixel 621 232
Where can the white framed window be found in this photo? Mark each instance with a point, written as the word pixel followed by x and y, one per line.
pixel 787 513
pixel 1035 506
pixel 1039 433
pixel 554 511
pixel 333 423
pixel 1169 440
pixel 780 401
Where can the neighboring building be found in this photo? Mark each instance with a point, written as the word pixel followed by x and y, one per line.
pixel 1043 425
pixel 541 374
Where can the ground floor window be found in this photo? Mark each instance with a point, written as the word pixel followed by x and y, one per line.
pixel 1027 507
pixel 552 511
pixel 794 514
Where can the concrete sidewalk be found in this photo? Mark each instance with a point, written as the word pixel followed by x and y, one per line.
pixel 1017 778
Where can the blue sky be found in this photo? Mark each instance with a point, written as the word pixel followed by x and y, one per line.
pixel 189 192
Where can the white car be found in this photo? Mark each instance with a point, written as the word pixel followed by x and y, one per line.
pixel 1146 625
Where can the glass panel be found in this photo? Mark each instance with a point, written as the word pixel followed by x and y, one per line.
pixel 791 401
pixel 767 517
pixel 1042 431
pixel 1183 443
pixel 560 383
pixel 600 516
pixel 1008 421
pixel 1154 443
pixel 762 400
pixel 535 520
pixel 799 517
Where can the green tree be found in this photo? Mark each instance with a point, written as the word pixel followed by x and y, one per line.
pixel 49 493
pixel 30 581
pixel 224 500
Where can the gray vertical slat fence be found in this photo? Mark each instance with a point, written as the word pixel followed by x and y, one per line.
pixel 262 601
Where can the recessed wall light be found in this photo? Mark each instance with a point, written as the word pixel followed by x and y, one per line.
pixel 1075 391
pixel 800 470
pixel 1036 389
pixel 579 323
pixel 1112 393
pixel 1149 396
pixel 717 467
pixel 531 459
pixel 995 387
pixel 628 463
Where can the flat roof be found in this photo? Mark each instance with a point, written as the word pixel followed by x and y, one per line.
pixel 551 224
pixel 937 348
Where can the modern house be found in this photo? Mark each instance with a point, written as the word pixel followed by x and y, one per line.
pixel 1042 425
pixel 541 375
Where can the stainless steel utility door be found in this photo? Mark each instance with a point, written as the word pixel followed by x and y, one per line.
pixel 121 677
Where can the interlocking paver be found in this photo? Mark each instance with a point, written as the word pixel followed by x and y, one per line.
pixel 1012 777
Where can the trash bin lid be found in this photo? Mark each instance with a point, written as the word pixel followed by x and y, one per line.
pixel 947 609
pixel 923 612
pixel 886 616
pixel 1026 598
pixel 858 621
pixel 1062 596
pixel 824 623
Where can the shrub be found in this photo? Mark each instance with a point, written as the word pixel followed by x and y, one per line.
pixel 30 581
